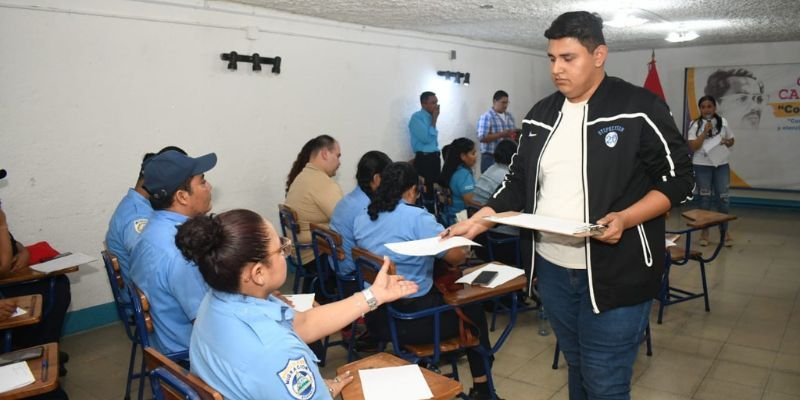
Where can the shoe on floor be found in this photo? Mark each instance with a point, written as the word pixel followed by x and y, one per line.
pixel 728 241
pixel 704 242
pixel 476 395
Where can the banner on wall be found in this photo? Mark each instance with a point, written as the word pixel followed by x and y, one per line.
pixel 762 106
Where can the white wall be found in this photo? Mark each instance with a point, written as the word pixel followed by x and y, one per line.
pixel 88 86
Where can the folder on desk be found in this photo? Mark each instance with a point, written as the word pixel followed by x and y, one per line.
pixel 547 224
pixel 15 376
pixel 60 263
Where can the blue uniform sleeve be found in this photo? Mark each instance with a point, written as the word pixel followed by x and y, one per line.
pixel 187 285
pixel 132 233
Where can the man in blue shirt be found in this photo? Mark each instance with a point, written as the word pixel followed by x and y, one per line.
pixel 173 285
pixel 129 220
pixel 425 141
pixel 494 126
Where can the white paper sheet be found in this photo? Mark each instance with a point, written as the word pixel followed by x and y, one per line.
pixel 394 383
pixel 672 240
pixel 63 262
pixel 14 376
pixel 430 246
pixel 302 302
pixel 711 142
pixel 542 223
pixel 718 154
pixel 504 274
pixel 19 311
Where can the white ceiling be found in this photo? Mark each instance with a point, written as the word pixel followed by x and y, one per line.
pixel 523 22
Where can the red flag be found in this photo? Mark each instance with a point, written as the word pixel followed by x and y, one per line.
pixel 652 83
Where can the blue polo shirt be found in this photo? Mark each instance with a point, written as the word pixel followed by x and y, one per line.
pixel 342 221
pixel 125 228
pixel 405 223
pixel 172 284
pixel 424 137
pixel 462 182
pixel 246 348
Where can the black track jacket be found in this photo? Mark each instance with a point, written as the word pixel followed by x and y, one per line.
pixel 631 146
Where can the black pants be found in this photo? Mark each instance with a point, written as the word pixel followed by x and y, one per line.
pixel 420 331
pixel 50 328
pixel 428 166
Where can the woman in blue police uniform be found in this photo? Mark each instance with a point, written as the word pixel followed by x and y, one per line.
pixel 392 217
pixel 246 343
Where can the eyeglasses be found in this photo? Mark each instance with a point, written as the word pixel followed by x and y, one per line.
pixel 740 99
pixel 286 249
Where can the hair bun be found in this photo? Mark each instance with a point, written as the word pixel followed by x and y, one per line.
pixel 199 237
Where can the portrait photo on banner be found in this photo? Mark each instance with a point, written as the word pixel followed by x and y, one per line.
pixel 761 104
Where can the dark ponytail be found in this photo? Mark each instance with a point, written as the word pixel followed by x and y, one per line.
pixel 222 245
pixel 311 147
pixel 395 180
pixel 371 163
pixel 452 158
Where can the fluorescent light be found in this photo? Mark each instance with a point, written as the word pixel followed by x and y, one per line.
pixel 625 21
pixel 677 37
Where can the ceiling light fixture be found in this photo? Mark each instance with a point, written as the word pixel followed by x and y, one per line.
pixel 626 21
pixel 686 36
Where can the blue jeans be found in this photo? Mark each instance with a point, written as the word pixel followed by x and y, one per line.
pixel 600 349
pixel 713 185
pixel 487 159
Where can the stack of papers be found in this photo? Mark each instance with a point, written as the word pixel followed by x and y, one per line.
pixel 60 263
pixel 394 383
pixel 546 224
pixel 504 274
pixel 430 246
pixel 15 376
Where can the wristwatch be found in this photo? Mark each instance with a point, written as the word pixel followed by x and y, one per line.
pixel 372 302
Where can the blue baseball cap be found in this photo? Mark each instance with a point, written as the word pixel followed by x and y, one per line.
pixel 164 173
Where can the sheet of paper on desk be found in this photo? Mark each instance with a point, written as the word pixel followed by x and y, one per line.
pixel 504 274
pixel 394 383
pixel 60 263
pixel 15 376
pixel 430 246
pixel 19 311
pixel 302 302
pixel 542 223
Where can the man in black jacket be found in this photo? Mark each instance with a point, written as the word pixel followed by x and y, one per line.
pixel 599 150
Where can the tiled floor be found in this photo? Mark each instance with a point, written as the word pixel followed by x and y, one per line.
pixel 747 347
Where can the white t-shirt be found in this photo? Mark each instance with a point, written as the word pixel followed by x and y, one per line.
pixel 700 157
pixel 561 188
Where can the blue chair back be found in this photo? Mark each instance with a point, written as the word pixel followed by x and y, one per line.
pixel 367 267
pixel 291 229
pixel 167 386
pixel 141 315
pixel 120 292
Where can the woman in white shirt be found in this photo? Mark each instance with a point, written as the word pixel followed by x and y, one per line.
pixel 710 138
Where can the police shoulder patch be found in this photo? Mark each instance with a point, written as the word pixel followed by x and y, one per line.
pixel 139 224
pixel 298 379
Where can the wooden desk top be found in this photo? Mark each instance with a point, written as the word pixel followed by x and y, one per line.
pixel 472 293
pixel 29 274
pixel 30 303
pixel 441 386
pixel 705 218
pixel 39 387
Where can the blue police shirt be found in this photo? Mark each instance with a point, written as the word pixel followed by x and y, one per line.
pixel 246 348
pixel 342 221
pixel 462 182
pixel 405 223
pixel 424 137
pixel 173 285
pixel 125 228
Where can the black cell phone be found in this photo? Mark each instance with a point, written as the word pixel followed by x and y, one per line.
pixel 484 278
pixel 20 355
